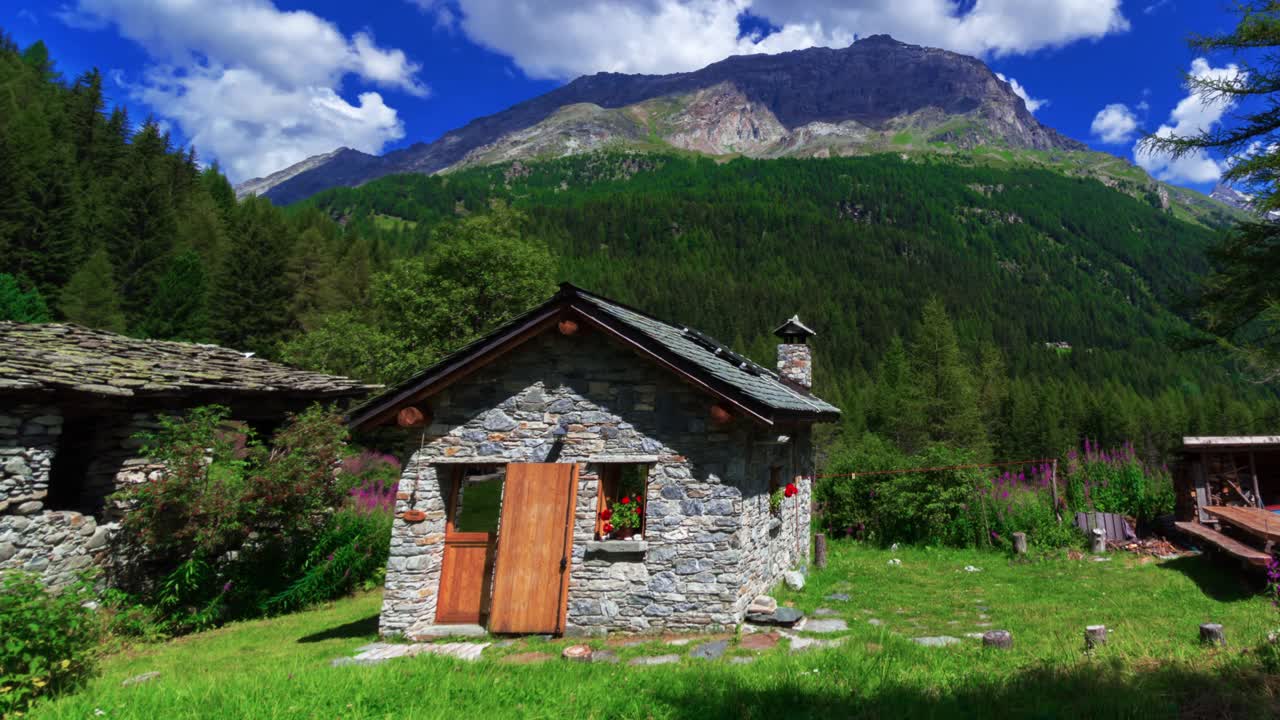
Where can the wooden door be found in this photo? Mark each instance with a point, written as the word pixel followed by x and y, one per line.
pixel 531 582
pixel 470 537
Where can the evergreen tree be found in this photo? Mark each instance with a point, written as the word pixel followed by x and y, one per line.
pixel 940 393
pixel 178 309
pixel 18 305
pixel 251 293
pixel 91 298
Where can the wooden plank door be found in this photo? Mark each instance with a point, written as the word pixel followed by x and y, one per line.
pixel 531 581
pixel 469 541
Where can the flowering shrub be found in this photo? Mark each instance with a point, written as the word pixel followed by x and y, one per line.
pixel 1116 481
pixel 47 639
pixel 234 527
pixel 624 512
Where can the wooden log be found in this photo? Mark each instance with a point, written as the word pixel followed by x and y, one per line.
pixel 567 327
pixel 411 417
pixel 577 653
pixel 1094 636
pixel 820 550
pixel 999 639
pixel 1020 543
pixel 1211 634
pixel 1099 545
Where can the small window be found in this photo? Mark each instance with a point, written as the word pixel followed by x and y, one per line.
pixel 776 487
pixel 477 500
pixel 622 501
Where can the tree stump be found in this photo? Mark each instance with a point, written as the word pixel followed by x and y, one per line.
pixel 1000 639
pixel 1099 541
pixel 1211 634
pixel 1020 543
pixel 820 550
pixel 1095 635
pixel 577 653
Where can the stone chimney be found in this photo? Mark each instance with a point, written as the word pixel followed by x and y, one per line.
pixel 795 359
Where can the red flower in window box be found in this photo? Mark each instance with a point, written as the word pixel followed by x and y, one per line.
pixel 606 514
pixel 791 490
pixel 608 528
pixel 625 500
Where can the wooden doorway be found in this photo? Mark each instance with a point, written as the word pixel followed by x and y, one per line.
pixel 531 584
pixel 471 530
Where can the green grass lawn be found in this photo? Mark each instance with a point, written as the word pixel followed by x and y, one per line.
pixel 1152 667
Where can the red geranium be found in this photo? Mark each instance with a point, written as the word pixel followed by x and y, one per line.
pixel 608 528
pixel 791 490
pixel 625 500
pixel 606 514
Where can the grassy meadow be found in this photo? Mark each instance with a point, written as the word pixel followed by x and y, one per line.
pixel 1152 667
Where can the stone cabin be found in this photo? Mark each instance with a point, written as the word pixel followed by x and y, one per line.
pixel 527 449
pixel 71 401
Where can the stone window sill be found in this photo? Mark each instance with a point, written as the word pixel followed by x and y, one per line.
pixel 618 547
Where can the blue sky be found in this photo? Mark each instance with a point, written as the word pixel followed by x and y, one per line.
pixel 259 84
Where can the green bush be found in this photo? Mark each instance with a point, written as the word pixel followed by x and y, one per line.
pixel 1116 481
pixel 234 528
pixel 48 639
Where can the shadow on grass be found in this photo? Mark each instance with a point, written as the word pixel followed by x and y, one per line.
pixel 364 627
pixel 1090 690
pixel 1217 577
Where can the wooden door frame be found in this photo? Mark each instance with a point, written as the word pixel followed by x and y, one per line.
pixel 456 474
pixel 567 546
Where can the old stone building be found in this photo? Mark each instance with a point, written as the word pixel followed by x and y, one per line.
pixel 71 403
pixel 526 447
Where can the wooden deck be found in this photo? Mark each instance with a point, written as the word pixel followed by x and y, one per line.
pixel 1258 522
pixel 1229 545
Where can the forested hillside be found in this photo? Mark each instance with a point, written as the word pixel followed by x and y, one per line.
pixel 1056 297
pixel 1068 285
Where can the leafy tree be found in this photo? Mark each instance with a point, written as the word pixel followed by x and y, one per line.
pixel 18 305
pixel 1239 302
pixel 91 298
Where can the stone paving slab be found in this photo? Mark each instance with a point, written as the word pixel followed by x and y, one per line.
pixel 381 652
pixel 526 658
pixel 839 597
pixel 761 641
pixel 655 660
pixel 710 651
pixel 824 612
pixel 800 644
pixel 742 660
pixel 827 625
pixel 604 656
pixel 936 641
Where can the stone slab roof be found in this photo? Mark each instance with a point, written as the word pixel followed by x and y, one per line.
pixel 687 351
pixel 64 357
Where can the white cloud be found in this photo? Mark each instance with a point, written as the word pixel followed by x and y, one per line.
pixel 254 86
pixel 1191 116
pixel 566 38
pixel 1031 103
pixel 1114 124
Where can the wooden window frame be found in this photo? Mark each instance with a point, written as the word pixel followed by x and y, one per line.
pixel 609 475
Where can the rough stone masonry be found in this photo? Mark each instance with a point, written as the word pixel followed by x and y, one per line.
pixel 712 544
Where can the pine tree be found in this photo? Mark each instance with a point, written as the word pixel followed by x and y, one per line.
pixel 251 293
pixel 18 305
pixel 941 392
pixel 178 309
pixel 91 298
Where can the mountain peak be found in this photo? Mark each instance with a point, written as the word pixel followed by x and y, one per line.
pixel 816 101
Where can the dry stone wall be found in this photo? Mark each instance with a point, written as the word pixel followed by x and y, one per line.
pixel 583 399
pixel 28 440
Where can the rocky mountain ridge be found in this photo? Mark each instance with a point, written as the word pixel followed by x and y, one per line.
pixel 812 102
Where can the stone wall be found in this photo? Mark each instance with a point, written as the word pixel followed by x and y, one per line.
pixel 28 441
pixel 61 543
pixel 584 399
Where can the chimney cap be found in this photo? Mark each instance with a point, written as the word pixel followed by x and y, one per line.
pixel 793 328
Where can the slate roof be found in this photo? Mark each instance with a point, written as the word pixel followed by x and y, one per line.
pixel 751 379
pixel 53 357
pixel 724 371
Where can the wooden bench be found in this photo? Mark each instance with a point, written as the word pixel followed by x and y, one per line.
pixel 1229 545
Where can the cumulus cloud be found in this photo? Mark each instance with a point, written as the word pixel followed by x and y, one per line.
pixel 1031 103
pixel 1191 116
pixel 566 38
pixel 1114 124
pixel 254 86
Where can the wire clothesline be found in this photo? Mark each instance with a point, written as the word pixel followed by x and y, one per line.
pixel 934 469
